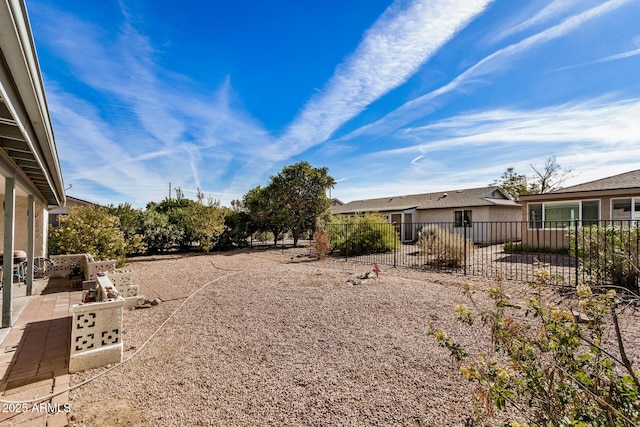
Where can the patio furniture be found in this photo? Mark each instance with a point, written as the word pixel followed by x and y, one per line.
pixel 19 259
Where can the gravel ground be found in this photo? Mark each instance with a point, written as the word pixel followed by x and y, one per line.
pixel 273 338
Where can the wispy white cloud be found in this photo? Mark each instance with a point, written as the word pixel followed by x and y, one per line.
pixel 593 138
pixel 392 50
pixel 161 124
pixel 492 64
pixel 597 121
pixel 552 11
pixel 610 58
pixel 93 159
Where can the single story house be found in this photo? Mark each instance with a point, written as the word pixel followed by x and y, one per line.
pixel 30 175
pixel 611 200
pixel 473 208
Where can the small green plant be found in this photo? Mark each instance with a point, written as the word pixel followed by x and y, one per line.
pixel 552 371
pixel 443 247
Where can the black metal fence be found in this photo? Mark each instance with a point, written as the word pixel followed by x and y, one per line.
pixel 600 252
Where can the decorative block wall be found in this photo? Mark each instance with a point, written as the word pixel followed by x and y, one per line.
pixel 64 265
pixel 96 333
pixel 123 281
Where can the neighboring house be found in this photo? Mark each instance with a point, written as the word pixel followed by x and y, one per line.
pixel 336 202
pixel 56 211
pixel 607 200
pixel 474 206
pixel 30 176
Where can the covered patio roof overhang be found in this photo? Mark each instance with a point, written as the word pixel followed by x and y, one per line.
pixel 29 161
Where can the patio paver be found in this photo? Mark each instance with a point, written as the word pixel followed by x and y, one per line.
pixel 34 357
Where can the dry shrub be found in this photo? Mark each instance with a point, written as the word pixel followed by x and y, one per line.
pixel 322 245
pixel 444 247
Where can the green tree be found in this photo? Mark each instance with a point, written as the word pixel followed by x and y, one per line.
pixel 267 211
pixel 237 226
pixel 90 229
pixel 204 222
pixel 193 222
pixel 301 189
pixel 513 183
pixel 130 225
pixel 159 235
pixel 176 209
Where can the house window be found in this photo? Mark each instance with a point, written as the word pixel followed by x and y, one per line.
pixel 462 218
pixel 625 209
pixel 590 212
pixel 535 215
pixel 561 215
pixel 554 215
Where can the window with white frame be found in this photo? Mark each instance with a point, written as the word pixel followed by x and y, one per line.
pixel 625 208
pixel 553 215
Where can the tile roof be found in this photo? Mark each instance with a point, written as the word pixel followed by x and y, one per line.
pixel 484 196
pixel 616 182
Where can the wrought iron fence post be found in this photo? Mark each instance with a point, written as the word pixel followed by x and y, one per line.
pixel 395 253
pixel 575 245
pixel 465 225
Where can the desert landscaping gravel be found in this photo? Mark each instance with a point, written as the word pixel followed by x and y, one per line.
pixel 275 338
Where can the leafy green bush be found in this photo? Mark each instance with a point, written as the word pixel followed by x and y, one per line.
pixel 552 371
pixel 90 230
pixel 516 247
pixel 204 223
pixel 237 225
pixel 159 235
pixel 608 255
pixel 443 247
pixel 358 235
pixel 131 227
pixel 263 236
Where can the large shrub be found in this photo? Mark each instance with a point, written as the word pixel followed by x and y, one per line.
pixel 443 247
pixel 237 226
pixel 91 230
pixel 359 235
pixel 204 223
pixel 131 227
pixel 608 255
pixel 159 235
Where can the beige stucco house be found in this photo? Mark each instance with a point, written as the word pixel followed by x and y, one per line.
pixel 612 200
pixel 474 206
pixel 30 176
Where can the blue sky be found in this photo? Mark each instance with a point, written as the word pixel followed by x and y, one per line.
pixel 394 97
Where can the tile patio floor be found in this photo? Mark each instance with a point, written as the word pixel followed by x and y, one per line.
pixel 34 353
